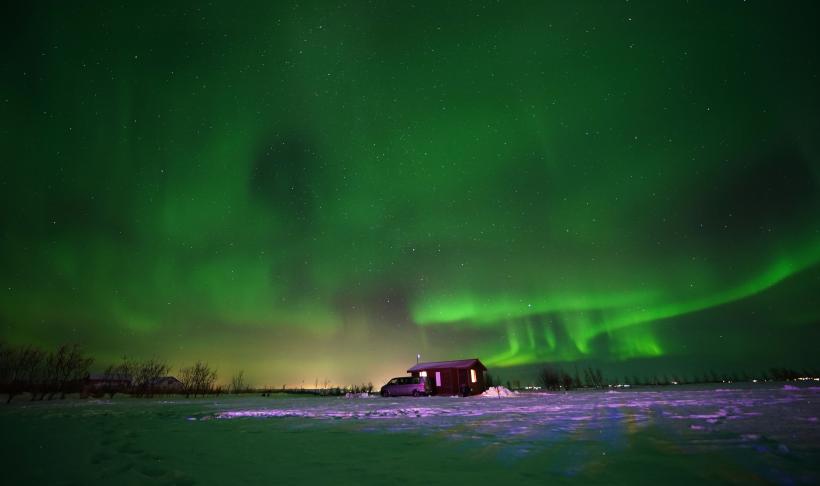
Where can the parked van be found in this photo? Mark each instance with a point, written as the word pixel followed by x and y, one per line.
pixel 405 385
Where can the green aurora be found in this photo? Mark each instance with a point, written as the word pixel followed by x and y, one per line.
pixel 322 190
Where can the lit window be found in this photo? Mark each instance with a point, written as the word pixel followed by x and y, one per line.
pixel 438 378
pixel 472 376
pixel 423 374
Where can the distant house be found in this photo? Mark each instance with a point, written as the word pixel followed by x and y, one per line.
pixel 100 381
pixel 451 377
pixel 167 384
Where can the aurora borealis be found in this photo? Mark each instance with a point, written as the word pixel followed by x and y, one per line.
pixel 322 190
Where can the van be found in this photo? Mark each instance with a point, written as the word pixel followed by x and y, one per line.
pixel 404 386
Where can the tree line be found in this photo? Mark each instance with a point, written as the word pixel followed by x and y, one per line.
pixel 28 369
pixel 556 378
pixel 46 374
pixel 148 378
pixel 552 378
pixel 325 391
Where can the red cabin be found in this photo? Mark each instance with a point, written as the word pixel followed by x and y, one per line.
pixel 452 377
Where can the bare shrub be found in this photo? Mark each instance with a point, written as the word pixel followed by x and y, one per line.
pixel 238 384
pixel 197 379
pixel 146 374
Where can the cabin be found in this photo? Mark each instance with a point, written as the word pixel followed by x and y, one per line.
pixel 451 377
pixel 99 381
pixel 167 384
pixel 98 384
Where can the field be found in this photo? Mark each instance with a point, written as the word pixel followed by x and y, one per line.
pixel 744 434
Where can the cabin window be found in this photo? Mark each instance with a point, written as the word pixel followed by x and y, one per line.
pixel 438 378
pixel 423 374
pixel 473 378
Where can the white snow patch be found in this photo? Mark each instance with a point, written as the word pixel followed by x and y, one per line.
pixel 333 414
pixel 498 392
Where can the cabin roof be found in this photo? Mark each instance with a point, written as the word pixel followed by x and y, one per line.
pixel 166 379
pixel 459 363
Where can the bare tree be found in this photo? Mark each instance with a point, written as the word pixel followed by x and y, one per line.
pixel 566 380
pixel 146 374
pixel 593 378
pixel 238 384
pixel 54 371
pixel 117 378
pixel 186 377
pixel 197 379
pixel 555 379
pixel 64 368
pixel 10 371
pixel 549 378
pixel 31 362
pixel 20 369
pixel 5 362
pixel 79 365
pixel 589 380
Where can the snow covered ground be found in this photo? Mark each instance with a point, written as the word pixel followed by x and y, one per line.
pixel 737 434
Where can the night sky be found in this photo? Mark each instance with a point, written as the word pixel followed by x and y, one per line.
pixel 323 190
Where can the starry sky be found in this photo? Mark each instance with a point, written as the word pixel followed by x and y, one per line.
pixel 322 190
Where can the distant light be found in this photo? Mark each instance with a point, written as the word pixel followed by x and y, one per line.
pixel 423 374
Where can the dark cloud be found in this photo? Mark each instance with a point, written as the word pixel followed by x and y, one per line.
pixel 753 196
pixel 282 178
